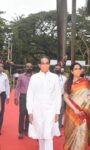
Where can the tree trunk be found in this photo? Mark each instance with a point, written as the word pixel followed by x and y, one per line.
pixel 73 31
pixel 88 7
pixel 61 27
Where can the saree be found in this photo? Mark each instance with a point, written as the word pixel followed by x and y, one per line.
pixel 77 127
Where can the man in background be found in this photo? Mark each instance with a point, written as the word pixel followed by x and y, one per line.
pixel 20 96
pixel 4 93
pixel 62 79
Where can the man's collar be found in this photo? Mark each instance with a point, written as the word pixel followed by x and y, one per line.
pixel 45 72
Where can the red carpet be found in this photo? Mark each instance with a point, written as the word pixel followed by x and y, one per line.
pixel 9 138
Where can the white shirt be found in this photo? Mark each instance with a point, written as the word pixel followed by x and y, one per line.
pixel 4 84
pixel 16 75
pixel 62 80
pixel 44 88
pixel 44 101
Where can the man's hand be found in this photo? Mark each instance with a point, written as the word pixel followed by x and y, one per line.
pixel 30 118
pixel 16 101
pixel 56 117
pixel 7 100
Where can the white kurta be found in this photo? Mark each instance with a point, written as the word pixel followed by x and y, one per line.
pixel 44 101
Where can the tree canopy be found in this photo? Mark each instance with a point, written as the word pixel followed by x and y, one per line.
pixel 37 34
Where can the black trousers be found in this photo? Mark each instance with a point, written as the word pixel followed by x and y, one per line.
pixel 23 115
pixel 3 97
pixel 63 107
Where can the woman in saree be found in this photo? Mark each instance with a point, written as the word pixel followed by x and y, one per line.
pixel 77 115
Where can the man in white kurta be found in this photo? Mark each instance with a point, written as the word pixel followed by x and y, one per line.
pixel 43 105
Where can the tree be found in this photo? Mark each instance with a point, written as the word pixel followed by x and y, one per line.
pixel 35 35
pixel 83 35
pixel 62 26
pixel 4 30
pixel 73 31
pixel 88 7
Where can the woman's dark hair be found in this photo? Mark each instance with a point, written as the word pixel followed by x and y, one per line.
pixel 70 79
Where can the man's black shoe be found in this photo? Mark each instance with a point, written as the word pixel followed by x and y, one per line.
pixel 20 136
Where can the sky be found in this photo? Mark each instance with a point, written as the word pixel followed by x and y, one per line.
pixel 14 8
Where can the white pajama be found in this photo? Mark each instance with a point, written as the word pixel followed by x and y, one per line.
pixel 46 144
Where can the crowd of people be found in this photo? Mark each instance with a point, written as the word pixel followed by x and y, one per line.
pixel 49 101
